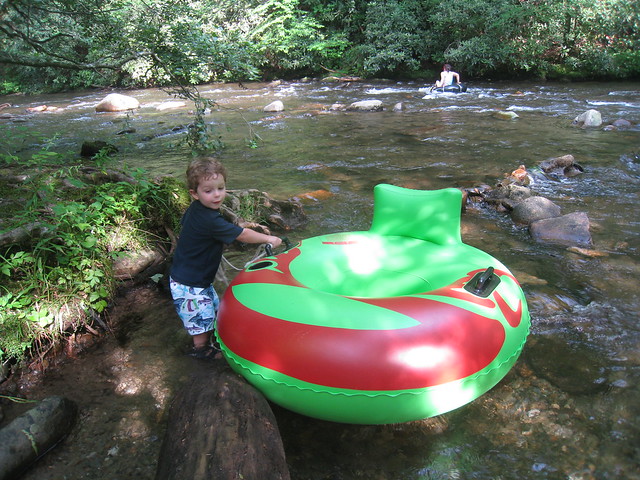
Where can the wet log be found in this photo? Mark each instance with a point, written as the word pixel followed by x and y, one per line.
pixel 221 428
pixel 33 434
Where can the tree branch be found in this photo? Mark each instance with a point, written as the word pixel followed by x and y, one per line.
pixel 68 64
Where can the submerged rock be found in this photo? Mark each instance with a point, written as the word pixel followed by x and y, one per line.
pixel 502 115
pixel 570 230
pixel 314 196
pixel 571 366
pixel 170 105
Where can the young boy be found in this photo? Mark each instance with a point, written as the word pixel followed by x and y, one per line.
pixel 197 256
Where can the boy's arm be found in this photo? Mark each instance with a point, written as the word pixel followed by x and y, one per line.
pixel 251 236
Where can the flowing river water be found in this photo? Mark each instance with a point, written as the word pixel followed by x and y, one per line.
pixel 568 409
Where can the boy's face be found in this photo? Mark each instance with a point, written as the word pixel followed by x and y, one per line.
pixel 210 192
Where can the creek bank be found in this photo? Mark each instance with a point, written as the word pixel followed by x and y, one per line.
pixel 144 242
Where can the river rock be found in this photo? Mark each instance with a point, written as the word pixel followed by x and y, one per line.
pixel 505 196
pixel 276 106
pixel 519 176
pixel 621 124
pixel 533 209
pixel 130 266
pixel 366 106
pixel 518 193
pixel 502 115
pixel 284 215
pixel 557 163
pixel 170 105
pixel 116 102
pixel 571 366
pixel 569 230
pixel 590 118
pixel 33 434
pixel 564 165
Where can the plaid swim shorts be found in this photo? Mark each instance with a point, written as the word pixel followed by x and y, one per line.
pixel 197 307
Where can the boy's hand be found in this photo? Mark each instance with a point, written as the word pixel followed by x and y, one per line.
pixel 275 241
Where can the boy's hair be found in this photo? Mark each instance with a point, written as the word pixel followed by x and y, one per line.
pixel 447 67
pixel 202 168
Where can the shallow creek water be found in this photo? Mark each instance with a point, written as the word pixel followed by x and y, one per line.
pixel 568 409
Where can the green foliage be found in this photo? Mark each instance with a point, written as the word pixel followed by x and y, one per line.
pixel 288 39
pixel 535 38
pixel 65 269
pixel 8 87
pixel 394 36
pixel 63 44
pixel 628 63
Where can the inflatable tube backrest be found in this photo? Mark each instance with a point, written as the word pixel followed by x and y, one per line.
pixel 431 215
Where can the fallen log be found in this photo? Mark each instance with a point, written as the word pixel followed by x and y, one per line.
pixel 221 428
pixel 33 434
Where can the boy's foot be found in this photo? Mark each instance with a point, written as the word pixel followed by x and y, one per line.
pixel 208 352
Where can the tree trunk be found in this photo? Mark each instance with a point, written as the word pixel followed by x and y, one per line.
pixel 221 428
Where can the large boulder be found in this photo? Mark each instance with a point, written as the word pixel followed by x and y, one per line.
pixel 590 118
pixel 533 209
pixel 569 230
pixel 115 102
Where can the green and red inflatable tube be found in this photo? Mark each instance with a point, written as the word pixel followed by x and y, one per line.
pixel 398 323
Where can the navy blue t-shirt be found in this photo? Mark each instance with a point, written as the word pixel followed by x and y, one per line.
pixel 202 238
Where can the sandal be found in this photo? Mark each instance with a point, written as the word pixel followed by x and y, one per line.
pixel 208 352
